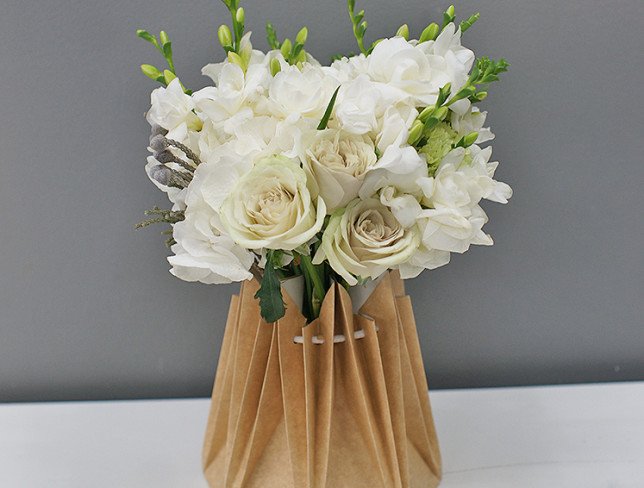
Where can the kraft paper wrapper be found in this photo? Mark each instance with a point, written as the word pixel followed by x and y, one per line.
pixel 345 408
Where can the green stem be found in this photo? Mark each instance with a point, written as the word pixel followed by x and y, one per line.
pixel 318 291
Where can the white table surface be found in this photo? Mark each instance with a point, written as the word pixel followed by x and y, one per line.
pixel 586 436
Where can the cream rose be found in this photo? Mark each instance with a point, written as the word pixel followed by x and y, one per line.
pixel 364 240
pixel 271 207
pixel 337 163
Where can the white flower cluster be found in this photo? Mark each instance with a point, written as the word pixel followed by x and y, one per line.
pixel 366 193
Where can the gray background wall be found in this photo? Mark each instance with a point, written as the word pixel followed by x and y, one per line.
pixel 88 309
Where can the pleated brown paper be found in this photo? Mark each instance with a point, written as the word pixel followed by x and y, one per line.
pixel 339 403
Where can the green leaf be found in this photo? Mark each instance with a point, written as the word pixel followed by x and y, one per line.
pixel 327 113
pixel 271 302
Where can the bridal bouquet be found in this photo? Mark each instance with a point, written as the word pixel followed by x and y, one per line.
pixel 286 167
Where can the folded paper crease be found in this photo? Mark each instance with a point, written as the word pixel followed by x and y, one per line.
pixel 317 414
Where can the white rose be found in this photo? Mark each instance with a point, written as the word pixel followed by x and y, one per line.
pixel 295 93
pixel 171 107
pixel 203 254
pixel 271 207
pixel 365 240
pixel 337 163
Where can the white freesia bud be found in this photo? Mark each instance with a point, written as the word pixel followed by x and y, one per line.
pixel 337 162
pixel 271 207
pixel 171 107
pixel 364 240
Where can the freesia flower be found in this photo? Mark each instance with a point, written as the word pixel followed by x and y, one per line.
pixel 202 253
pixel 171 107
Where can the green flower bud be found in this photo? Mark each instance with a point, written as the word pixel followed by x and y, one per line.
pixel 145 35
pixel 163 37
pixel 415 132
pixel 443 93
pixel 480 96
pixel 239 15
pixel 275 66
pixel 286 48
pixel 168 75
pixel 464 92
pixel 425 114
pixel 470 139
pixel 430 33
pixel 235 58
pixel 302 36
pixel 403 31
pixel 450 11
pixel 301 57
pixel 225 36
pixel 151 71
pixel 441 113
